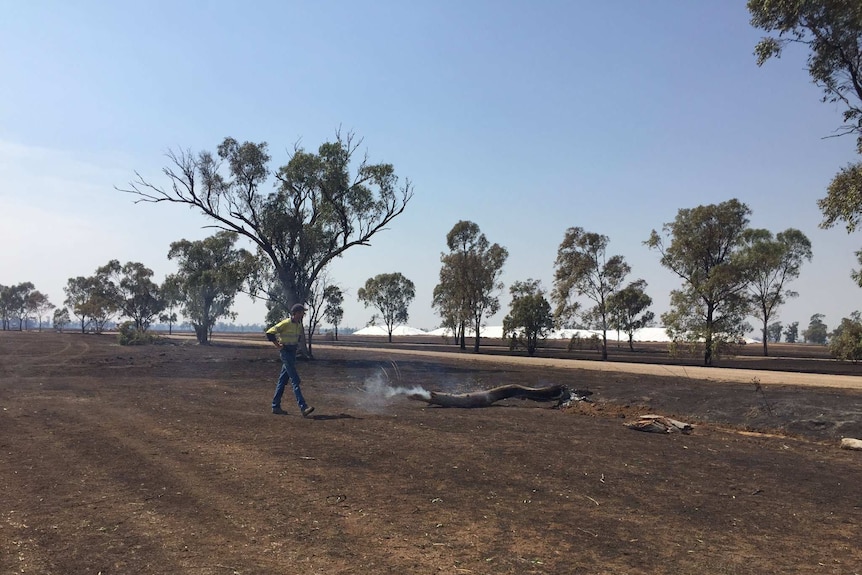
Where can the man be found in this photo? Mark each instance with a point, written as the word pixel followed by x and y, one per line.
pixel 289 337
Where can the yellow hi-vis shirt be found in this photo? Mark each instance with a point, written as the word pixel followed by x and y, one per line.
pixel 290 333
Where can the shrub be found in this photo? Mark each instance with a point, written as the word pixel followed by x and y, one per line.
pixel 130 335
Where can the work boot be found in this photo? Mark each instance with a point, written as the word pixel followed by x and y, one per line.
pixel 278 411
pixel 306 411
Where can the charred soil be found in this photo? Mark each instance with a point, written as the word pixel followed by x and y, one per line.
pixel 166 459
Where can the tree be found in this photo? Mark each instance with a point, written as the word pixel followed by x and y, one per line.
pixel 61 318
pixel 171 295
pixel 319 209
pixel 628 309
pixel 138 297
pixel 832 32
pixel 315 308
pixel 91 299
pixel 391 295
pixel 469 280
pixel 38 304
pixel 529 319
pixel 211 272
pixel 773 332
pixel 774 262
pixel 791 332
pixel 845 343
pixel 334 312
pixel 583 268
pixel 15 303
pixel 706 250
pixel 817 331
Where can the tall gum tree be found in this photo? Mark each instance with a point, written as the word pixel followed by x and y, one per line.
pixel 584 268
pixel 774 263
pixel 321 205
pixel 391 295
pixel 469 286
pixel 210 273
pixel 706 250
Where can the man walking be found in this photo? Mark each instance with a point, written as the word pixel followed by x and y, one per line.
pixel 289 337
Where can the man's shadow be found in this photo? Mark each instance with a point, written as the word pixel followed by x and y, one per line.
pixel 323 417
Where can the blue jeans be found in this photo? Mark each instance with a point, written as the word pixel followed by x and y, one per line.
pixel 288 371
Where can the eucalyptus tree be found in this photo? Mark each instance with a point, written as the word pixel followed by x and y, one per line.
pixel 14 301
pixel 92 299
pixel 321 205
pixel 210 274
pixel 333 312
pixel 391 295
pixel 39 305
pixel 583 268
pixel 817 331
pixel 469 286
pixel 529 319
pixel 705 247
pixel 774 262
pixel 629 309
pixel 791 332
pixel 138 297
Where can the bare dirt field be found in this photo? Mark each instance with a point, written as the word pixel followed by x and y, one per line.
pixel 166 459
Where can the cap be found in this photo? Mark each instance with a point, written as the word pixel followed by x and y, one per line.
pixel 297 307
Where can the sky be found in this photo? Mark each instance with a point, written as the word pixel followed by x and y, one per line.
pixel 527 118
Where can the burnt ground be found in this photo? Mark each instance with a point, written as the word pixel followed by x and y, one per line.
pixel 166 459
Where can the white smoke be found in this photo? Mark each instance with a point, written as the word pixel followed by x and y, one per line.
pixel 379 387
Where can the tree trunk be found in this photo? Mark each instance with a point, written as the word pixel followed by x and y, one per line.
pixel 557 393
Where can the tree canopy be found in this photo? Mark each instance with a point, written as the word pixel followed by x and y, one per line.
pixel 210 274
pixel 832 32
pixel 774 262
pixel 469 280
pixel 391 295
pixel 583 268
pixel 321 205
pixel 529 319
pixel 705 250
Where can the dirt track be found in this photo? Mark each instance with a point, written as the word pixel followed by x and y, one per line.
pixel 165 459
pixel 689 372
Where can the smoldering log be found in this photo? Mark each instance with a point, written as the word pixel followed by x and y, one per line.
pixel 557 393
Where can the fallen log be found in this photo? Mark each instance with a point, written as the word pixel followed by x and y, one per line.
pixel 559 393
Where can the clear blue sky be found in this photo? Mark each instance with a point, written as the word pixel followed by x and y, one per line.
pixel 525 117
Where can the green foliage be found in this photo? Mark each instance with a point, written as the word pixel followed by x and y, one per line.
pixel 15 303
pixel 773 332
pixel 529 319
pixel 817 331
pixel 773 262
pixel 845 343
pixel 791 332
pixel 628 309
pixel 832 32
pixel 582 268
pixel 843 201
pixel 136 295
pixel 210 273
pixel 707 251
pixel 334 312
pixel 61 318
pixel 469 280
pixel 391 295
pixel 129 334
pixel 92 300
pixel 324 203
